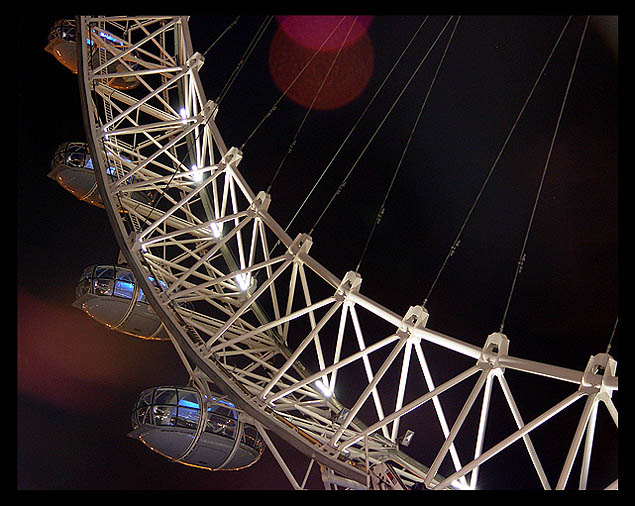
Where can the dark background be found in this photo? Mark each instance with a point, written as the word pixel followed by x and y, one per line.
pixel 76 381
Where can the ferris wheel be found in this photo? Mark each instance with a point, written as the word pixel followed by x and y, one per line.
pixel 270 338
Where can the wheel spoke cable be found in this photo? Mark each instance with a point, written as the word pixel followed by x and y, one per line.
pixel 381 123
pixel 522 257
pixel 310 108
pixel 382 208
pixel 608 346
pixel 231 25
pixel 250 49
pixel 284 93
pixel 457 239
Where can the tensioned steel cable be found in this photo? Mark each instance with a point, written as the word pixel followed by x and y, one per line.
pixel 231 25
pixel 521 259
pixel 608 347
pixel 354 127
pixel 382 208
pixel 310 108
pixel 252 45
pixel 284 93
pixel 381 123
pixel 457 239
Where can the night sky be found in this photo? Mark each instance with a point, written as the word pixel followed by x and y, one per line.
pixel 76 380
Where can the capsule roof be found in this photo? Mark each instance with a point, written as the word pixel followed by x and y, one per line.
pixel 62 44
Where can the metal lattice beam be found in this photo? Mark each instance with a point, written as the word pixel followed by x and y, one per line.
pixel 251 321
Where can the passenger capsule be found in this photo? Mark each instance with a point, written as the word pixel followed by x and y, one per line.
pixel 62 44
pixel 110 295
pixel 72 168
pixel 166 420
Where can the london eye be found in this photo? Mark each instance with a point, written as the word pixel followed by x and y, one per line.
pixel 276 347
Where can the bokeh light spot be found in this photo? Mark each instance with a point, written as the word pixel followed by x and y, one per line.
pixel 332 31
pixel 68 360
pixel 344 82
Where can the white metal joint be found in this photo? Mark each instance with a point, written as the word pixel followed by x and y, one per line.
pixel 260 204
pixel 496 346
pixel 301 244
pixel 210 109
pixel 416 316
pixel 232 157
pixel 350 284
pixel 599 369
pixel 196 61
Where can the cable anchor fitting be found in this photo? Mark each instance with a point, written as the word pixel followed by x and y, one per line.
pixel 496 346
pixel 416 316
pixel 521 263
pixel 380 214
pixel 350 284
pixel 599 369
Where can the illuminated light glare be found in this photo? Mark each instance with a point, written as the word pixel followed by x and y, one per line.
pixel 195 405
pixel 217 229
pixel 183 113
pixel 327 33
pixel 457 484
pixel 326 391
pixel 109 37
pixel 196 176
pixel 243 282
pixel 326 83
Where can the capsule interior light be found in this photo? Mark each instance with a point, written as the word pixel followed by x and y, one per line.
pixel 166 419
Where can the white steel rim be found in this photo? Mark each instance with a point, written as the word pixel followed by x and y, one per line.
pixel 235 319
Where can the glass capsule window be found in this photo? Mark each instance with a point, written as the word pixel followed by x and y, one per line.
pixel 124 284
pixel 109 280
pixel 63 29
pixel 66 29
pixel 77 154
pixel 251 437
pixel 189 412
pixel 73 154
pixel 179 407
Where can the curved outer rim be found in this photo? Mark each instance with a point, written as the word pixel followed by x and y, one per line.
pixel 173 327
pixel 214 370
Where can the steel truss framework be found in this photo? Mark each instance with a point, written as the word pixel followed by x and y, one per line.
pixel 269 325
